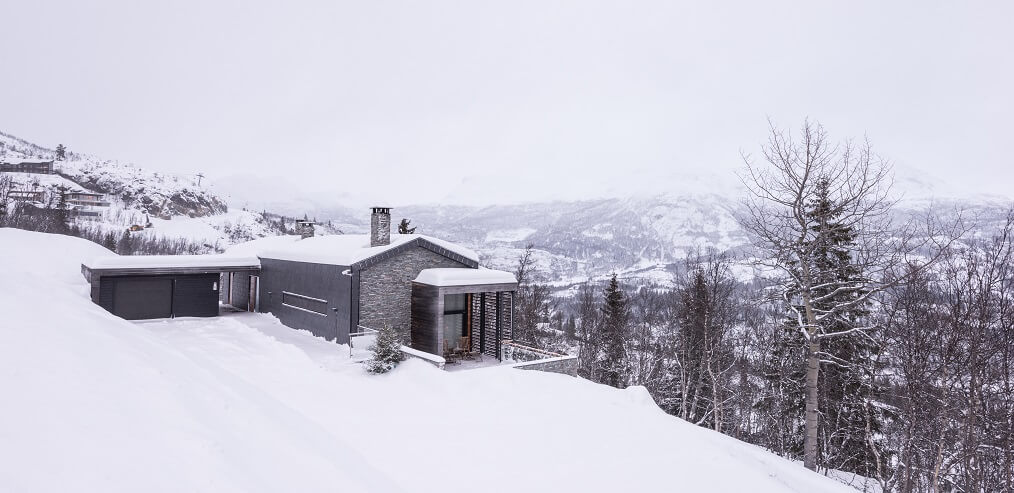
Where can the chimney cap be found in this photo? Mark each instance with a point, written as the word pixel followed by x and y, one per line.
pixel 381 209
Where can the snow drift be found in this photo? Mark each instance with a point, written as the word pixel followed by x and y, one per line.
pixel 240 403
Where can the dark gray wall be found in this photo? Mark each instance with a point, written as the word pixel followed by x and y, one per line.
pixel 385 288
pixel 321 281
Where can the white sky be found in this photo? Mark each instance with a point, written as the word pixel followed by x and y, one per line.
pixel 405 102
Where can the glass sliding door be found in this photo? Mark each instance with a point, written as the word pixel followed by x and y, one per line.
pixel 455 322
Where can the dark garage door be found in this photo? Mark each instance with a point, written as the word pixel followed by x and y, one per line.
pixel 145 297
pixel 136 298
pixel 196 296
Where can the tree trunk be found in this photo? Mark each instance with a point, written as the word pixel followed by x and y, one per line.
pixel 812 372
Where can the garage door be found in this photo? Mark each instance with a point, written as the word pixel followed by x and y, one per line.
pixel 196 296
pixel 145 297
pixel 137 298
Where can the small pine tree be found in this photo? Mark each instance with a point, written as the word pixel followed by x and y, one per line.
pixel 110 242
pixel 403 227
pixel 61 152
pixel 386 351
pixel 62 213
pixel 124 247
pixel 570 328
pixel 615 315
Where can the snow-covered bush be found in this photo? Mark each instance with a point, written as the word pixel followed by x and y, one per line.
pixel 386 351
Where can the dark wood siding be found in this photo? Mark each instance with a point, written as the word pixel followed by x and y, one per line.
pixel 426 307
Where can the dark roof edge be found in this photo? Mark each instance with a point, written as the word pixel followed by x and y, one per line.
pixel 89 272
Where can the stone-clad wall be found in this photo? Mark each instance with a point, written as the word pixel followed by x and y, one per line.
pixel 385 288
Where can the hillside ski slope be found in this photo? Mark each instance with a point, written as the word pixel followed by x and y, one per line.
pixel 240 403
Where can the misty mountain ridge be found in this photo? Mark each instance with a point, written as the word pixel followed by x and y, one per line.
pixel 642 236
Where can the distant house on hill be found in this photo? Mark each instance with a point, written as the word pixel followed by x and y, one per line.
pixel 86 199
pixel 27 195
pixel 336 287
pixel 26 165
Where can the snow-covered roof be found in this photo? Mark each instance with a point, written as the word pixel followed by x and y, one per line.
pixel 25 160
pixel 350 249
pixel 171 262
pixel 464 277
pixel 255 248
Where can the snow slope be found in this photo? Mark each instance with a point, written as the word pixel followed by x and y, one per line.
pixel 241 403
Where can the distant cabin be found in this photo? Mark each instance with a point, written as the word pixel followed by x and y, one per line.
pixel 86 199
pixel 27 195
pixel 24 165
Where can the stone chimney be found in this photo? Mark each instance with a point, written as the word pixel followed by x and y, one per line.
pixel 304 228
pixel 380 226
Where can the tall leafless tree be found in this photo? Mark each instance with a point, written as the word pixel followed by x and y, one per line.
pixel 781 190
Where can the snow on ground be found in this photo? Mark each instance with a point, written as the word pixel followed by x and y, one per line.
pixel 37 181
pixel 241 403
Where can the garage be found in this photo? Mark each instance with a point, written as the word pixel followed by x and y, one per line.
pixel 139 288
pixel 146 297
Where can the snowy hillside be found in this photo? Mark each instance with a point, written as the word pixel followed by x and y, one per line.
pixel 150 192
pixel 240 403
pixel 175 206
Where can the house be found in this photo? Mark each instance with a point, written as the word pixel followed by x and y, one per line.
pixel 26 165
pixel 85 199
pixel 333 286
pixel 27 195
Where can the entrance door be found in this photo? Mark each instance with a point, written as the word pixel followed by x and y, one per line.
pixel 253 299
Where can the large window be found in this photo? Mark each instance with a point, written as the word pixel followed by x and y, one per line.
pixel 455 318
pixel 305 303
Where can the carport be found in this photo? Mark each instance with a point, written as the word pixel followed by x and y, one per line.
pixel 162 286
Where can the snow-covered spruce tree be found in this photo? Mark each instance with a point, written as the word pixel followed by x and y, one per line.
pixel 386 351
pixel 405 228
pixel 780 195
pixel 847 387
pixel 612 365
pixel 61 152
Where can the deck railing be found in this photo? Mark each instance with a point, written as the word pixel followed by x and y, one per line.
pixel 363 338
pixel 530 358
pixel 512 351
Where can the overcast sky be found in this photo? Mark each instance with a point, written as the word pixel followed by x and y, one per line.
pixel 407 102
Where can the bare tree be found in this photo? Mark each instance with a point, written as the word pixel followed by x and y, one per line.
pixel 853 184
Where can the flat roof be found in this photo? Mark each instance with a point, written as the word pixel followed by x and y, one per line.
pixel 170 264
pixel 453 276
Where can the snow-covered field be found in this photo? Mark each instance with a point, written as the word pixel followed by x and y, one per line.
pixel 240 403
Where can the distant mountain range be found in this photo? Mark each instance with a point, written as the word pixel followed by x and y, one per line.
pixel 642 238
